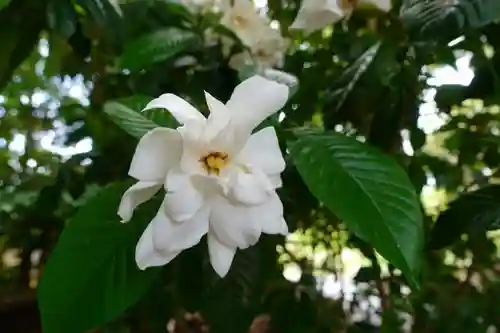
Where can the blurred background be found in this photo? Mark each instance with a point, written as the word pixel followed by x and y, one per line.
pixel 428 92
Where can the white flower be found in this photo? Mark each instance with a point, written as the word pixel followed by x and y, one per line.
pixel 289 80
pixel 241 60
pixel 270 50
pixel 316 14
pixel 219 177
pixel 242 18
pixel 267 52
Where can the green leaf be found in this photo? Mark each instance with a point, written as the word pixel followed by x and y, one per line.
pixel 444 20
pixel 160 117
pixel 353 74
pixel 91 276
pixel 473 212
pixel 155 47
pixel 126 113
pixel 62 17
pixel 128 119
pixel 227 306
pixel 59 49
pixel 101 11
pixel 4 3
pixel 368 191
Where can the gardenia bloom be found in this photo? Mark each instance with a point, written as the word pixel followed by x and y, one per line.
pixel 316 14
pixel 242 18
pixel 220 179
pixel 268 52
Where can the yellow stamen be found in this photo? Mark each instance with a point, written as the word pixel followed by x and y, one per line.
pixel 214 162
pixel 239 20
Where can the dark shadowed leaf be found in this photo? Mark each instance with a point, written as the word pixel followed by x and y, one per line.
pixel 61 17
pixel 472 212
pixel 4 3
pixel 92 276
pixel 101 11
pixel 227 307
pixel 444 20
pixel 354 73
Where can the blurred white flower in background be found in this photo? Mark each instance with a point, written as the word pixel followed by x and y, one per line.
pixel 247 24
pixel 267 52
pixel 314 15
pixel 264 46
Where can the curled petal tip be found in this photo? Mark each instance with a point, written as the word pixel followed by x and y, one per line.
pixel 296 25
pixel 284 231
pixel 124 218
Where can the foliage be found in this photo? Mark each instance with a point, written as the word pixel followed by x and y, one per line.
pixel 358 162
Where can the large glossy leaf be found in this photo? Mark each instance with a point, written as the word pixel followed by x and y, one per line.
pixel 437 19
pixel 368 191
pixel 155 47
pixel 472 212
pixel 92 276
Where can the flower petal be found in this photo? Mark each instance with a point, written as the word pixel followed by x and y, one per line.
pixel 219 117
pixel 182 200
pixel 137 194
pixel 173 236
pixel 250 189
pixel 221 256
pixel 255 99
pixel 263 151
pixel 147 256
pixel 316 14
pixel 243 19
pixel 240 60
pixel 275 180
pixel 182 111
pixel 157 151
pixel 193 148
pixel 276 226
pixel 240 226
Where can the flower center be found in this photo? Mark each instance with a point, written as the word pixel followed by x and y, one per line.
pixel 239 20
pixel 214 162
